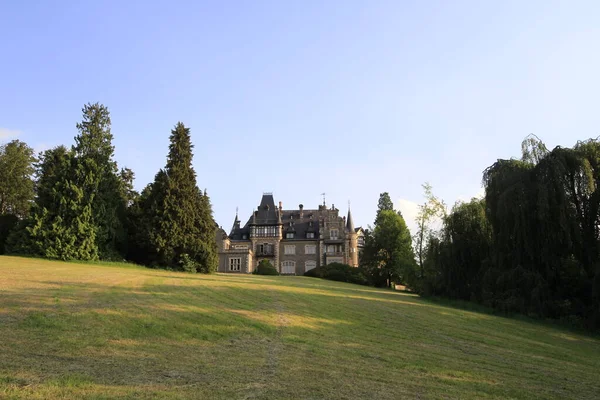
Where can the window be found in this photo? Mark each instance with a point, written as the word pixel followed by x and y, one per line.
pixel 290 249
pixel 265 249
pixel 235 264
pixel 333 233
pixel 310 235
pixel 308 265
pixel 264 231
pixel 244 237
pixel 288 267
pixel 289 235
pixel 331 248
pixel 310 249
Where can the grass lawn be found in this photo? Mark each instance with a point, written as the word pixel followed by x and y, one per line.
pixel 77 331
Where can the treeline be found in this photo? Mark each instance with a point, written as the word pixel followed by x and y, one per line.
pixel 76 204
pixel 532 245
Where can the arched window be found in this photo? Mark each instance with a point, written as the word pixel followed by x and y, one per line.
pixel 288 267
pixel 308 265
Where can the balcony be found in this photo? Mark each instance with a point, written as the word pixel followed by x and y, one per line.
pixel 265 253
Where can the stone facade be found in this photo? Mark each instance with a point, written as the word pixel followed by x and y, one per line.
pixel 294 241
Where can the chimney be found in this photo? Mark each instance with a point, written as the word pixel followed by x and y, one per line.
pixel 280 206
pixel 301 207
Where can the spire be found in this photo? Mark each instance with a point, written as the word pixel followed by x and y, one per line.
pixel 349 222
pixel 236 222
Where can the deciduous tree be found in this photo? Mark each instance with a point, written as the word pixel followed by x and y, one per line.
pixel 16 178
pixel 432 209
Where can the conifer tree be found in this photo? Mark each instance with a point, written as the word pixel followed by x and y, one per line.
pixel 384 204
pixel 61 223
pixel 97 175
pixel 174 216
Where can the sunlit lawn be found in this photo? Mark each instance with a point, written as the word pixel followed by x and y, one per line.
pixel 103 332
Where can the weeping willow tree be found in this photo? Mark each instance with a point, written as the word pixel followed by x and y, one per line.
pixel 456 258
pixel 543 210
pixel 533 244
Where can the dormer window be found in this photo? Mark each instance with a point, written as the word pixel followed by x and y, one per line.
pixel 310 235
pixel 289 235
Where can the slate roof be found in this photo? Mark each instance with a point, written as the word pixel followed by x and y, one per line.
pixel 292 222
pixel 349 222
pixel 268 214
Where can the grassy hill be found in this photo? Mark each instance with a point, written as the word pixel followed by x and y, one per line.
pixel 102 332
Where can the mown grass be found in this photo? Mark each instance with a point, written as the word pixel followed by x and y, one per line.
pixel 104 332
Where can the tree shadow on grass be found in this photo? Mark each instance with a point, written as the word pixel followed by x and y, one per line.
pixel 169 335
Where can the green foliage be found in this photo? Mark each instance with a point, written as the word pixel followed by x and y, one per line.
pixel 188 264
pixel 384 204
pixel 454 261
pixel 533 245
pixel 172 216
pixel 16 178
pixel 265 267
pixel 61 223
pixel 432 209
pixel 79 210
pixel 339 272
pixel 388 254
pixel 97 175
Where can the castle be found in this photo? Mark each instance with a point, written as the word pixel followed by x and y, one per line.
pixel 294 241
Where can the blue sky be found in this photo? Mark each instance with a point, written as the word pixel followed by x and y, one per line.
pixel 351 98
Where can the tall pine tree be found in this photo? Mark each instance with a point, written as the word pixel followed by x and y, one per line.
pixel 172 217
pixel 97 175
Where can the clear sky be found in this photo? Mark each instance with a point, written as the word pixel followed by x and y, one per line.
pixel 350 98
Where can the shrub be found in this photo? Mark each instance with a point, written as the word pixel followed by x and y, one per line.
pixel 339 272
pixel 188 264
pixel 265 268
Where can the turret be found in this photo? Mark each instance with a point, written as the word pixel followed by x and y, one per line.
pixel 236 223
pixel 349 222
pixel 352 240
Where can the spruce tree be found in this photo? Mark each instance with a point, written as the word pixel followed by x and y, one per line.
pixel 97 175
pixel 175 217
pixel 384 204
pixel 61 223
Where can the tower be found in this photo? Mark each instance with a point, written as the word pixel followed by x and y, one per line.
pixel 351 240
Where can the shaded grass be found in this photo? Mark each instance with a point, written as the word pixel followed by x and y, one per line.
pixel 101 331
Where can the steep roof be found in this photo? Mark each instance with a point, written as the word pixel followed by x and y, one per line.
pixel 349 222
pixel 236 224
pixel 300 226
pixel 266 214
pixel 291 220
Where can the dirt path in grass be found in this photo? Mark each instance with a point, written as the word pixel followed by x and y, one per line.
pixel 274 349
